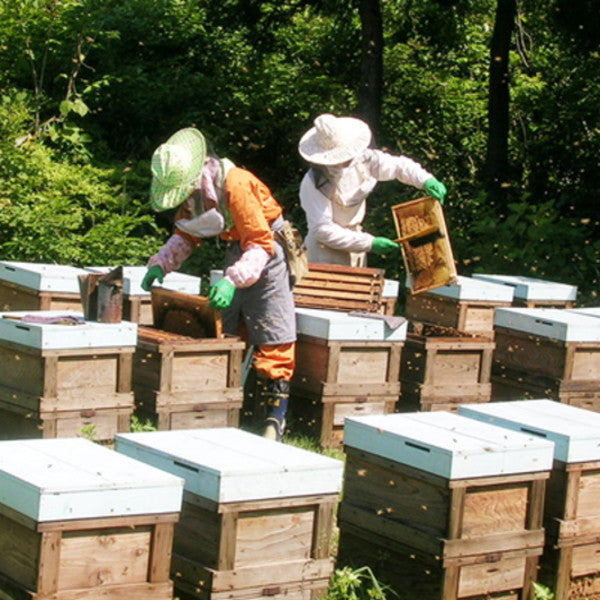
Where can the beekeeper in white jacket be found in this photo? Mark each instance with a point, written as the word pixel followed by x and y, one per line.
pixel 343 172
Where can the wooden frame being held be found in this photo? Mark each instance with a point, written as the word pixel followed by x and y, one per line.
pixel 425 244
pixel 185 314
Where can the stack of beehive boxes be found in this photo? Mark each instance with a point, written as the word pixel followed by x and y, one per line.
pixel 257 516
pixel 547 352
pixel 61 376
pixel 186 372
pixel 570 564
pixel 443 507
pixel 447 358
pixel 346 365
pixel 78 520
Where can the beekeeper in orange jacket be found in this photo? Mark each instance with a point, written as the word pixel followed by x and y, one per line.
pixel 217 198
pixel 344 170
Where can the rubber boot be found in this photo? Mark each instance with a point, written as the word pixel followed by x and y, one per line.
pixel 276 395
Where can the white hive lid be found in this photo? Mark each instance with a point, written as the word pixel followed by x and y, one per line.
pixel 467 288
pixel 231 465
pixel 133 276
pixel 448 445
pixel 555 323
pixel 73 478
pixel 574 431
pixel 42 277
pixel 592 311
pixel 530 288
pixel 49 336
pixel 391 287
pixel 340 326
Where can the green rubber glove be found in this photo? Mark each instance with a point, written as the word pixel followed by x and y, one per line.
pixel 152 273
pixel 382 245
pixel 436 189
pixel 221 294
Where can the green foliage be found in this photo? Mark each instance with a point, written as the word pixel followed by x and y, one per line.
pixel 541 592
pixel 356 584
pixel 88 432
pixel 533 239
pixel 138 425
pixel 56 211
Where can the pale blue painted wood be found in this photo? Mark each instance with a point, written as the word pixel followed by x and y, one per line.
pixel 340 326
pixel 530 288
pixel 467 288
pixel 42 277
pixel 47 336
pixel 555 323
pixel 231 465
pixel 592 311
pixel 574 431
pixel 448 445
pixel 73 478
pixel 133 276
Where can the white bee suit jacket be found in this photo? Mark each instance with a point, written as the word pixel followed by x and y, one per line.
pixel 335 204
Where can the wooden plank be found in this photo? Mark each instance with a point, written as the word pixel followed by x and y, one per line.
pixel 134 591
pixel 227 551
pixel 160 552
pixel 49 562
pixel 324 518
pixel 95 558
pixel 185 314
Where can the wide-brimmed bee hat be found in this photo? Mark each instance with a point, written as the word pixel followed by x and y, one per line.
pixel 334 140
pixel 176 166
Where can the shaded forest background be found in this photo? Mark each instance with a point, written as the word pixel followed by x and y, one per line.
pixel 500 100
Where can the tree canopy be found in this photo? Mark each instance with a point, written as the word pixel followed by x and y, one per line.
pixel 89 89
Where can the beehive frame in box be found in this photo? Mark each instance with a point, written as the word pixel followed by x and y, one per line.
pixel 425 244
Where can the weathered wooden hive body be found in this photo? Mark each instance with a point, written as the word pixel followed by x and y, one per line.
pixel 346 365
pixel 257 515
pixel 80 521
pixel 467 305
pixel 547 352
pixel 443 507
pixel 58 378
pixel 570 565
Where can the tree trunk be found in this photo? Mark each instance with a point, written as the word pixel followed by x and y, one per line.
pixel 371 73
pixel 496 163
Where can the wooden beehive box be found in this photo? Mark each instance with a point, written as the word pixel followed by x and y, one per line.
pixel 339 287
pixel 185 382
pixel 257 515
pixel 80 521
pixel 443 367
pixel 570 564
pixel 467 305
pixel 425 244
pixel 57 379
pixel 547 352
pixel 345 365
pixel 137 302
pixel 39 286
pixel 442 507
pixel 530 292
